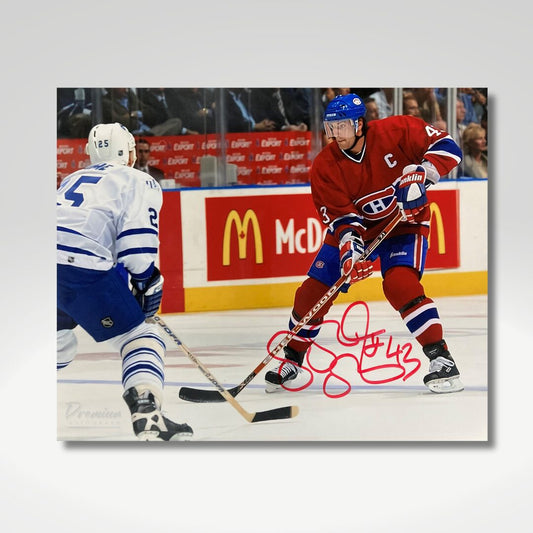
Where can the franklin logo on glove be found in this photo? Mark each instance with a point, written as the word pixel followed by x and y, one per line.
pixel 411 192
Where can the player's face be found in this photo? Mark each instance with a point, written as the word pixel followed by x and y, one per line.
pixel 343 131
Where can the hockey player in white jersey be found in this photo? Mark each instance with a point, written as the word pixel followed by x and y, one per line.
pixel 108 237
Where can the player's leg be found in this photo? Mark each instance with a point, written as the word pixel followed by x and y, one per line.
pixel 142 350
pixel 324 272
pixel 101 303
pixel 402 265
pixel 67 343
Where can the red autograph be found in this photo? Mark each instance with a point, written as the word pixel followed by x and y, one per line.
pixel 376 361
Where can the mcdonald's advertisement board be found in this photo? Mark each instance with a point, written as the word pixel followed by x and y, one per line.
pixel 261 236
pixel 272 236
pixel 444 234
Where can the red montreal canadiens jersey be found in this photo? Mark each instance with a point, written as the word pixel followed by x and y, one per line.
pixel 358 191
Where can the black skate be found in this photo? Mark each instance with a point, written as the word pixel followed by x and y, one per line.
pixel 149 423
pixel 286 371
pixel 443 373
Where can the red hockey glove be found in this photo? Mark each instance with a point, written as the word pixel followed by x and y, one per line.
pixel 351 247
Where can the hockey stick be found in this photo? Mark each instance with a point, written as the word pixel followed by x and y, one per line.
pixel 200 395
pixel 260 416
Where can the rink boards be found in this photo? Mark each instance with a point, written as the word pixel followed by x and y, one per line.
pixel 243 248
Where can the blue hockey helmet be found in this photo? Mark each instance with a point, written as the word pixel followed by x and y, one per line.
pixel 345 106
pixel 343 112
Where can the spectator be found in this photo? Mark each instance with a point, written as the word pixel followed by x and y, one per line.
pixel 329 93
pixel 475 151
pixel 196 107
pixel 372 111
pixel 485 124
pixel 474 102
pixel 327 96
pixel 239 113
pixel 273 104
pixel 74 119
pixel 384 99
pixel 460 114
pixel 157 113
pixel 297 105
pixel 410 105
pixel 142 163
pixel 429 107
pixel 122 105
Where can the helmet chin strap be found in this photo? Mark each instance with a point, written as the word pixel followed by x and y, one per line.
pixel 356 138
pixel 354 143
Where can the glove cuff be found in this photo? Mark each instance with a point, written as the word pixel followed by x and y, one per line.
pixel 349 235
pixel 142 285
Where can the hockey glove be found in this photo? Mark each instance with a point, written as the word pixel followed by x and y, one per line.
pixel 351 248
pixel 149 293
pixel 411 192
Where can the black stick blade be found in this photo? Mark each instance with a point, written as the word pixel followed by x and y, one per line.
pixel 203 396
pixel 276 414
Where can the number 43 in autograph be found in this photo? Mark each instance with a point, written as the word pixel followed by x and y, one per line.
pixel 376 361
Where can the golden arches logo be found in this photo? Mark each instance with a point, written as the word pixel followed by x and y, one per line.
pixel 241 225
pixel 441 239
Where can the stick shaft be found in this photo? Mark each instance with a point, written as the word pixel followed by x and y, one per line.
pixel 197 395
pixel 273 414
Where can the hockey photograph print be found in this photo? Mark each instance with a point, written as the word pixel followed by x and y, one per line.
pixel 272 264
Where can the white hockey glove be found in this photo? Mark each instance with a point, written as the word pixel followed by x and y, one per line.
pixel 149 292
pixel 351 248
pixel 411 192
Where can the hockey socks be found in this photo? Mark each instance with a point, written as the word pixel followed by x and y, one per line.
pixel 405 293
pixel 309 292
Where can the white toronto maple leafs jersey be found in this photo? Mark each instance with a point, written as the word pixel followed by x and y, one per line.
pixel 109 214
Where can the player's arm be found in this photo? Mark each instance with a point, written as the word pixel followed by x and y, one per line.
pixel 434 153
pixel 138 244
pixel 432 148
pixel 345 226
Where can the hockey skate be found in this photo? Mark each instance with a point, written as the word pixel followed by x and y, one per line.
pixel 286 371
pixel 149 423
pixel 443 373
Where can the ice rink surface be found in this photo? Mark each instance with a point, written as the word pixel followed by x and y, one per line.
pixel 374 390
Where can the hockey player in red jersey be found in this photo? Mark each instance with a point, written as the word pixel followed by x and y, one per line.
pixel 358 183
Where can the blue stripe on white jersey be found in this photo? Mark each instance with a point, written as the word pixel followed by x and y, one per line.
pixel 136 231
pixel 74 250
pixel 133 251
pixel 108 213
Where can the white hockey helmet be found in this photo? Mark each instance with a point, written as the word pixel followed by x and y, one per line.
pixel 110 143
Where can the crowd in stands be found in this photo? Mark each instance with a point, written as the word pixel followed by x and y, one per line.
pixel 190 111
pixel 430 104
